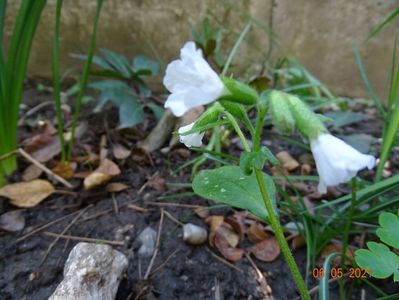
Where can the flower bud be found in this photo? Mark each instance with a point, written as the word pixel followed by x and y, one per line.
pixel 211 115
pixel 239 92
pixel 281 112
pixel 308 122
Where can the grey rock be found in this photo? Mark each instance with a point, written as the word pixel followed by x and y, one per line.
pixel 91 272
pixel 147 239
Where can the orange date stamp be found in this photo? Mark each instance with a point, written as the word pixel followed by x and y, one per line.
pixel 353 273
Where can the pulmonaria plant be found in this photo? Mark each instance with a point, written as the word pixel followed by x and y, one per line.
pixel 192 82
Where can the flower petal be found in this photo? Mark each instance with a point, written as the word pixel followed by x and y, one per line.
pixel 336 161
pixel 191 81
pixel 190 140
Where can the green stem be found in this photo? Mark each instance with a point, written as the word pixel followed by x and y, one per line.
pixel 346 236
pixel 278 232
pixel 84 79
pixel 238 131
pixel 274 221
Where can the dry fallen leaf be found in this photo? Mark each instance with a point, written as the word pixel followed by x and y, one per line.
pixel 12 221
pixel 115 187
pixel 27 194
pixel 256 233
pixel 334 247
pixel 157 183
pixel 267 250
pixel 64 169
pixel 120 152
pixel 43 147
pixel 287 161
pixel 31 172
pixel 298 242
pixel 229 234
pixel 102 174
pixel 224 247
pixel 214 223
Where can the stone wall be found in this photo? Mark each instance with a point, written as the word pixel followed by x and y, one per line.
pixel 319 33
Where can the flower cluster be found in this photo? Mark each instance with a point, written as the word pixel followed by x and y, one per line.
pixel 192 82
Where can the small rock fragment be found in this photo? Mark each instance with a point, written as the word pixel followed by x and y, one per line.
pixel 147 239
pixel 287 161
pixel 12 221
pixel 91 272
pixel 194 235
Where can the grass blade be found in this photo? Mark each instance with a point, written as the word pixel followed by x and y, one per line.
pixel 236 46
pixel 84 78
pixel 367 83
pixel 57 80
pixel 324 281
pixel 384 23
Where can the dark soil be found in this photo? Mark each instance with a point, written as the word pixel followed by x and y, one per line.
pixel 191 273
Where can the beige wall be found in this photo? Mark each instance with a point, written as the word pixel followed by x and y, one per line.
pixel 319 33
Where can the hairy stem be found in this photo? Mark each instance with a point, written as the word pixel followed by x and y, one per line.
pixel 346 236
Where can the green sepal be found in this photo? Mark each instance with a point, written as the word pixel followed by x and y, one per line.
pixel 238 111
pixel 211 115
pixel 239 92
pixel 308 123
pixel 280 107
pixel 256 160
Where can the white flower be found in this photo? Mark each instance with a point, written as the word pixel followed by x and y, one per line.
pixel 190 140
pixel 191 81
pixel 336 161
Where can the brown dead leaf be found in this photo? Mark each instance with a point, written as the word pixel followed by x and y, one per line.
pixel 214 223
pixel 236 226
pixel 43 147
pixel 306 169
pixel 120 151
pixel 27 194
pixel 157 183
pixel 32 172
pixel 115 187
pixel 229 234
pixel 224 247
pixel 202 213
pixel 102 174
pixel 298 242
pixel 334 247
pixel 256 233
pixel 64 169
pixel 287 161
pixel 267 250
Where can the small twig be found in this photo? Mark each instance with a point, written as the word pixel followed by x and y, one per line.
pixel 147 182
pixel 116 208
pixel 260 278
pixel 162 265
pixel 63 232
pixel 45 226
pixel 170 216
pixel 147 273
pixel 84 239
pixel 138 208
pixel 171 204
pixel 224 261
pixel 9 154
pixel 44 168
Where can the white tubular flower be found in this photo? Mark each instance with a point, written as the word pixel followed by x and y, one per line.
pixel 336 161
pixel 190 140
pixel 191 81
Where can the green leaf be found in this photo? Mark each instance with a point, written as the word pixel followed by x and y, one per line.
pixel 343 118
pixel 385 22
pixel 144 66
pixel 379 259
pixel 231 186
pixel 239 92
pixel 157 110
pixel 119 62
pixel 130 112
pixel 256 159
pixel 388 232
pixel 359 141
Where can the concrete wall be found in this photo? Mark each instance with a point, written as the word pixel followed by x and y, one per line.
pixel 319 33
